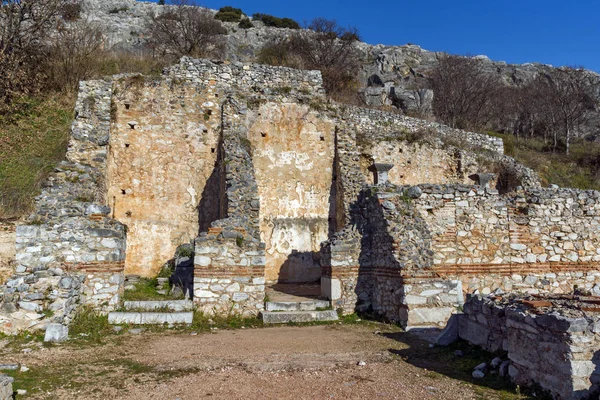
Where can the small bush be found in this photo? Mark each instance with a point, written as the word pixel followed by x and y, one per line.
pixel 117 10
pixel 90 324
pixel 276 22
pixel 245 23
pixel 229 14
pixel 71 12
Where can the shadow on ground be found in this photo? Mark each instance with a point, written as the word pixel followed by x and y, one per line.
pixel 456 361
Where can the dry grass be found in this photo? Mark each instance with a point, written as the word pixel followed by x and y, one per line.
pixel 580 169
pixel 30 146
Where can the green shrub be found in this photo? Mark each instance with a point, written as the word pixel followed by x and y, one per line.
pixel 117 10
pixel 229 14
pixel 245 23
pixel 276 22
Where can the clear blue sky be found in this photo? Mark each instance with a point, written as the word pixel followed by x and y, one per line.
pixel 565 32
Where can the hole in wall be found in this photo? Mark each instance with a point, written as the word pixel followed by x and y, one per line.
pixel 322 138
pixel 212 150
pixel 123 191
pixel 128 213
pixel 127 105
pixel 127 144
pixel 409 162
pixel 262 134
pixel 400 150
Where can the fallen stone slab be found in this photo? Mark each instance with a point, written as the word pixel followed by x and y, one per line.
pixel 172 305
pixel 150 318
pixel 56 333
pixel 284 317
pixel 449 334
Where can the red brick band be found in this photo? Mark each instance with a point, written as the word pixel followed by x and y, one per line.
pixel 228 271
pixel 96 267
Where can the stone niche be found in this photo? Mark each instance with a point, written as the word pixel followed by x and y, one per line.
pixel 163 149
pixel 293 155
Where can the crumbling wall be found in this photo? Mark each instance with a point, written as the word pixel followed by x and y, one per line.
pixel 163 150
pixel 556 348
pixel 539 240
pixel 292 153
pixel 229 263
pixel 71 251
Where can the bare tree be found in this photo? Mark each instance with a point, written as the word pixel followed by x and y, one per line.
pixel 324 46
pixel 331 49
pixel 187 30
pixel 24 27
pixel 463 92
pixel 73 53
pixel 566 100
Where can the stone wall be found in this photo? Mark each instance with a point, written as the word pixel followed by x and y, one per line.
pixel 453 155
pixel 556 347
pixel 229 263
pixel 535 241
pixel 70 251
pixel 292 154
pixel 412 253
pixel 163 150
pixel 415 163
pixel 7 249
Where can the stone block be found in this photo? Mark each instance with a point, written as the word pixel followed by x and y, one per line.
pixel 150 318
pixel 6 388
pixel 172 305
pixel 429 316
pixel 285 317
pixel 202 261
pixel 331 288
pixel 449 334
pixel 56 333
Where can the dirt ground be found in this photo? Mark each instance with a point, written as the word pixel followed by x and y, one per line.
pixel 313 362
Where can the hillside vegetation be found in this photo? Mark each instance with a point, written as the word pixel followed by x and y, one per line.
pixel 578 169
pixel 48 46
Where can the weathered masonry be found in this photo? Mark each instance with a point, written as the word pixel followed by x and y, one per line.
pixel 274 183
pixel 550 340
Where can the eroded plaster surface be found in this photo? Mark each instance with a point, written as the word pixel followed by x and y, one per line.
pixel 163 148
pixel 293 152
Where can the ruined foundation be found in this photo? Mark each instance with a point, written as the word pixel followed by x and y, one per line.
pixel 552 341
pixel 274 183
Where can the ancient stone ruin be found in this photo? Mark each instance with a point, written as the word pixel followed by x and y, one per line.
pixel 551 340
pixel 273 183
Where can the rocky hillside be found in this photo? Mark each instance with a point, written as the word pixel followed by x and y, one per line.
pixel 390 75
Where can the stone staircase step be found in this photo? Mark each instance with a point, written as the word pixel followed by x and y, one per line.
pixel 153 305
pixel 284 317
pixel 308 305
pixel 150 318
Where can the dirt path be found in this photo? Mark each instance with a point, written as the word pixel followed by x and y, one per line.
pixel 317 362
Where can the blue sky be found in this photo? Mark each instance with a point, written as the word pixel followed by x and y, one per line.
pixel 565 32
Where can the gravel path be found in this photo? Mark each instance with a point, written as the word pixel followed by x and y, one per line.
pixel 317 362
